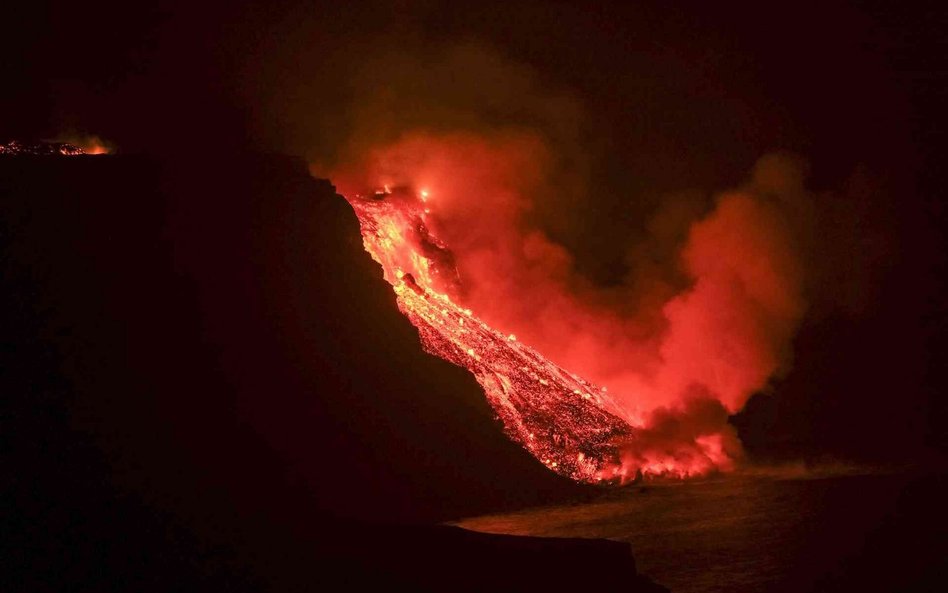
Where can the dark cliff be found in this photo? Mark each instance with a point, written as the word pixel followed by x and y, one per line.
pixel 205 379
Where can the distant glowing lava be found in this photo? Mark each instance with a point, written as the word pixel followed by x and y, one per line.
pixel 78 146
pixel 92 145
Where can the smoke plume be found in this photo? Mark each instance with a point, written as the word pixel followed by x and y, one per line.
pixel 716 286
pixel 678 359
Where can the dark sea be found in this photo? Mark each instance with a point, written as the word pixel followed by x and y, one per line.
pixel 765 533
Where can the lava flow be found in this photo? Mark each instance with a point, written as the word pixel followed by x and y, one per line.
pixel 71 146
pixel 41 149
pixel 569 424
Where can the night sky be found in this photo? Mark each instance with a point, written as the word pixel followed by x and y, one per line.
pixel 650 100
pixel 646 103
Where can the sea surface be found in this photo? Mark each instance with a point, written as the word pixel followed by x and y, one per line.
pixel 765 533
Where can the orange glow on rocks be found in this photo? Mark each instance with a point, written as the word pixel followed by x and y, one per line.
pixel 92 145
pixel 595 389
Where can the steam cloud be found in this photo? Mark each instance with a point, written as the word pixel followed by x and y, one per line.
pixel 685 339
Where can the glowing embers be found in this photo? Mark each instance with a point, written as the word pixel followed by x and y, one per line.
pixel 63 146
pixel 40 149
pixel 563 420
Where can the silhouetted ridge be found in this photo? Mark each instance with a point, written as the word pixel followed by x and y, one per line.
pixel 204 373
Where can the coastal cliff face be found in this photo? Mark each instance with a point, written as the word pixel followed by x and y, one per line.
pixel 206 377
pixel 217 313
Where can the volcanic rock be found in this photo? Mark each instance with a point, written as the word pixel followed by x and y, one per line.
pixel 207 380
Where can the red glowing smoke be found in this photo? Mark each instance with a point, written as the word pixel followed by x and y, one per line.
pixel 90 144
pixel 677 362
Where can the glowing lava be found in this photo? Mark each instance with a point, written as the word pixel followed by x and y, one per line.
pixel 40 149
pixel 86 145
pixel 703 320
pixel 570 425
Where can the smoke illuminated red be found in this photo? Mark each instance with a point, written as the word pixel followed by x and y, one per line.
pixel 93 145
pixel 445 216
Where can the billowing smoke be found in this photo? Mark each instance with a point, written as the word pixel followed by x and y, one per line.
pixel 716 287
pixel 678 361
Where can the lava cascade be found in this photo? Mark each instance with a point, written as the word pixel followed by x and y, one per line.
pixel 680 349
pixel 572 426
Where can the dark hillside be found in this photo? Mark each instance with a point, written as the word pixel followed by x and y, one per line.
pixel 204 376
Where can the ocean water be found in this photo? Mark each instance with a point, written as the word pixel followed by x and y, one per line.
pixel 765 533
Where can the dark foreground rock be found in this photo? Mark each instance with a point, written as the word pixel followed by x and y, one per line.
pixel 439 558
pixel 205 381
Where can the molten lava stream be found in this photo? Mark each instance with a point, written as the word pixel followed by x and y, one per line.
pixel 563 420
